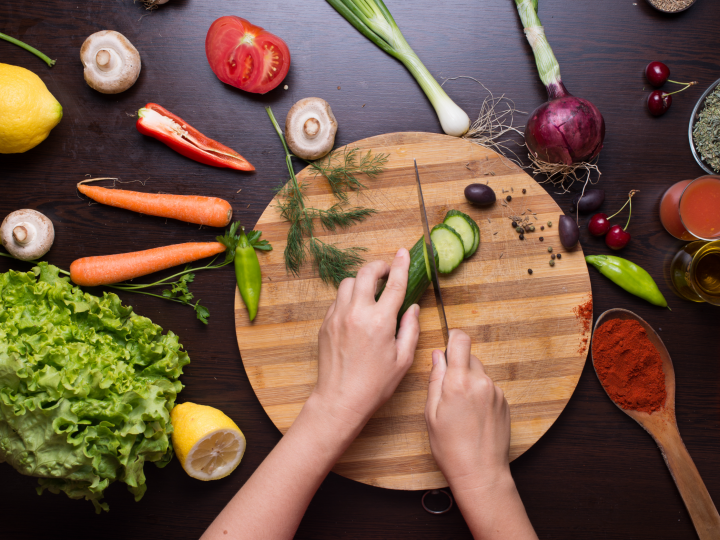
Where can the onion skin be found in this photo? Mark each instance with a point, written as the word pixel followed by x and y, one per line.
pixel 566 129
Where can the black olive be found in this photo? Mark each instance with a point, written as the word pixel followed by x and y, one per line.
pixel 480 194
pixel 569 232
pixel 591 201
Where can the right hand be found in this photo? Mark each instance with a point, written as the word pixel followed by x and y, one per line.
pixel 468 418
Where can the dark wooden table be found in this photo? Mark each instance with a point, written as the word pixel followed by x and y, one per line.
pixel 595 474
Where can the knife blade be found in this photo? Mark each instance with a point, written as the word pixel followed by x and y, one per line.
pixel 431 257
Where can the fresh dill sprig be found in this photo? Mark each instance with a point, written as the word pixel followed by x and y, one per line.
pixel 333 264
pixel 340 169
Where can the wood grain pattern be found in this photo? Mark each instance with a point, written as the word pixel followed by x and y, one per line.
pixel 523 326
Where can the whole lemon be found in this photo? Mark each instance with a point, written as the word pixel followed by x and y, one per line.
pixel 28 111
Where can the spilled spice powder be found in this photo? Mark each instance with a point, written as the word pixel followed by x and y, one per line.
pixel 629 366
pixel 584 313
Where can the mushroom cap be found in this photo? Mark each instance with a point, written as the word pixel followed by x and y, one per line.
pixel 112 63
pixel 27 234
pixel 310 128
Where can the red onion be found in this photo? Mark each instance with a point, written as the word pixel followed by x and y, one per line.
pixel 566 129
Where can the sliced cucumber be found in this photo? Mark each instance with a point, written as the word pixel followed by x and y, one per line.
pixel 449 245
pixel 466 227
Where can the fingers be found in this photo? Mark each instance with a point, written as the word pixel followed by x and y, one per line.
pixel 329 312
pixel 407 336
pixel 345 291
pixel 476 365
pixel 437 374
pixel 458 350
pixel 394 294
pixel 366 281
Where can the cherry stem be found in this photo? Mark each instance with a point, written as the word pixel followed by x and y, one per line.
pixel 676 82
pixel 676 91
pixel 629 214
pixel 630 196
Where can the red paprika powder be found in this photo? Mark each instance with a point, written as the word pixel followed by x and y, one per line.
pixel 629 366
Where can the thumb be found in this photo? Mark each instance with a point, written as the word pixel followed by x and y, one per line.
pixel 437 375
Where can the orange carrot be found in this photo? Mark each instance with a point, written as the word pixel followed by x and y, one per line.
pixel 109 269
pixel 209 211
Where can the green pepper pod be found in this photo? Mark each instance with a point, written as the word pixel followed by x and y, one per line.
pixel 629 276
pixel 247 273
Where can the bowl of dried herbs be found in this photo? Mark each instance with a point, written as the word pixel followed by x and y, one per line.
pixel 671 6
pixel 704 130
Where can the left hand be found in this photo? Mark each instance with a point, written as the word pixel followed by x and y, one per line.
pixel 361 361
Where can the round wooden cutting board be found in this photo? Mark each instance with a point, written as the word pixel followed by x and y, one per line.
pixel 523 327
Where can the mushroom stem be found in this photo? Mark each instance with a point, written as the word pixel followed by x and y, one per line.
pixel 20 234
pixel 311 127
pixel 102 59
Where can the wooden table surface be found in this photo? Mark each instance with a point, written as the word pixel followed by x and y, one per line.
pixel 595 474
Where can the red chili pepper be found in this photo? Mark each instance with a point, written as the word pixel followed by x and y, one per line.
pixel 157 122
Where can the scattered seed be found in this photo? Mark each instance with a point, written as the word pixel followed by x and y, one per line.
pixel 535 216
pixel 239 190
pixel 503 190
pixel 504 204
pixel 494 233
pixel 519 229
pixel 489 220
pixel 338 88
pixel 363 105
pixel 524 191
pixel 559 255
pixel 529 210
pixel 550 250
pixel 552 263
pixel 552 256
pixel 508 198
pixel 549 223
pixel 522 237
pixel 501 256
pixel 514 224
pixel 522 214
pixel 542 239
pixel 511 189
pixel 492 173
pixel 530 271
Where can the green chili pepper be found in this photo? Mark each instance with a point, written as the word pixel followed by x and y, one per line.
pixel 629 276
pixel 247 273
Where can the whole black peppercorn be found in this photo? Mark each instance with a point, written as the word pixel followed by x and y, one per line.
pixel 542 227
pixel 522 237
pixel 514 224
pixel 542 239
pixel 530 271
pixel 519 229
pixel 524 191
pixel 559 256
pixel 552 256
pixel 508 198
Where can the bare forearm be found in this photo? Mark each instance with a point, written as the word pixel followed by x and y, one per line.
pixel 274 499
pixel 495 511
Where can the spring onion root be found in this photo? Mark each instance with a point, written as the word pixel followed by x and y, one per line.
pixel 375 22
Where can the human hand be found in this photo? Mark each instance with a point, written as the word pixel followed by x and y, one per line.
pixel 468 418
pixel 361 361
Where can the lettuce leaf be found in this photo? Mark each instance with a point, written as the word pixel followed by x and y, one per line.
pixel 86 386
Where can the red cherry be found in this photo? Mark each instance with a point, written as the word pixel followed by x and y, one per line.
pixel 657 73
pixel 599 224
pixel 659 102
pixel 616 238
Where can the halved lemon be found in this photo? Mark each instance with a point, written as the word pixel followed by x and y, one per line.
pixel 208 444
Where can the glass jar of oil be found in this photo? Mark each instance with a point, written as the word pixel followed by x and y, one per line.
pixel 695 272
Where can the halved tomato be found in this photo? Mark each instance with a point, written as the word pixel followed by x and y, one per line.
pixel 246 56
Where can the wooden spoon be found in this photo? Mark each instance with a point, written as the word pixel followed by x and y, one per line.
pixel 662 426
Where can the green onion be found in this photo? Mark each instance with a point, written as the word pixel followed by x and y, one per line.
pixel 375 22
pixel 27 47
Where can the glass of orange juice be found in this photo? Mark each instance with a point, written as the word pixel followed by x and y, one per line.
pixel 699 207
pixel 669 213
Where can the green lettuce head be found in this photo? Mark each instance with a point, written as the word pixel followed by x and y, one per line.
pixel 86 386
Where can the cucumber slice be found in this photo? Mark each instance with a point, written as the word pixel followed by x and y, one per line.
pixel 466 227
pixel 449 245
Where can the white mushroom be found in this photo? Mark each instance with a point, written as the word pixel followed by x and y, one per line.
pixel 112 64
pixel 27 234
pixel 310 128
